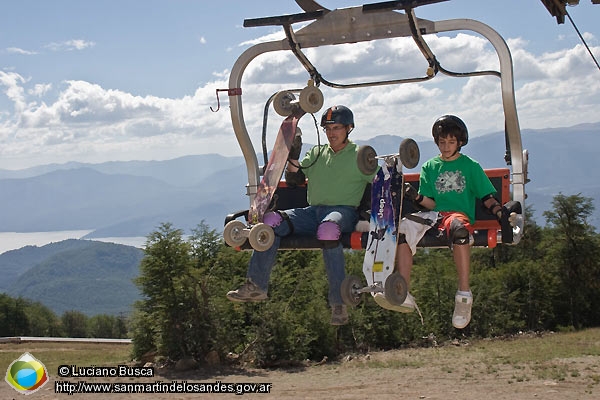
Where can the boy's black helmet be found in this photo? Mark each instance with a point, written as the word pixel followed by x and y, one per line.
pixel 450 125
pixel 338 115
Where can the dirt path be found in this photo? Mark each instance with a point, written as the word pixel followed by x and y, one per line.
pixel 485 370
pixel 351 382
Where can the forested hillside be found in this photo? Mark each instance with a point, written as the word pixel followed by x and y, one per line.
pixel 81 275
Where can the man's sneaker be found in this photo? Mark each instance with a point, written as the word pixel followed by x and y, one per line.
pixel 247 292
pixel 407 307
pixel 339 314
pixel 462 310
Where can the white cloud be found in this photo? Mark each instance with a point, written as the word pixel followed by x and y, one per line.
pixel 588 36
pixel 16 50
pixel 70 45
pixel 11 83
pixel 87 122
pixel 40 89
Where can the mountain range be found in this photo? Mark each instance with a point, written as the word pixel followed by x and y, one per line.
pixel 131 198
pixel 82 275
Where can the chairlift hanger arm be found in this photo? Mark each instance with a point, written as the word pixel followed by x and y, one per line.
pixel 294 44
pixel 420 42
pixel 309 5
pixel 398 5
pixel 284 19
pixel 353 25
pixel 287 20
pixel 417 34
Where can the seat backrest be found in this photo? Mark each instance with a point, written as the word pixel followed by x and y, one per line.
pixel 287 197
pixel 500 178
pixel 486 227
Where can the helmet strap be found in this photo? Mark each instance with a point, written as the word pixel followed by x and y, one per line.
pixel 348 133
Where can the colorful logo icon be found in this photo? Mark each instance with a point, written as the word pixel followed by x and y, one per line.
pixel 26 374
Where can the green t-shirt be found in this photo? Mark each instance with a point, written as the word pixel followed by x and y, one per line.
pixel 455 185
pixel 334 179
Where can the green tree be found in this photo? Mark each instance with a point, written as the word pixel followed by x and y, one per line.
pixel 205 330
pixel 121 328
pixel 13 317
pixel 294 323
pixel 184 312
pixel 526 249
pixel 572 252
pixel 42 321
pixel 163 283
pixel 107 326
pixel 74 324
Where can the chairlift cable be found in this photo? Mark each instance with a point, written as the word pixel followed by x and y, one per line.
pixel 582 39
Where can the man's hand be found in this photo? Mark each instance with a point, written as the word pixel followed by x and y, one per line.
pixel 294 179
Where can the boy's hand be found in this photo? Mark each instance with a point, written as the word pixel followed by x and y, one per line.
pixel 411 193
pixel 505 215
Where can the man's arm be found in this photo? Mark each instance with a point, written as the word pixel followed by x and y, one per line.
pixel 293 174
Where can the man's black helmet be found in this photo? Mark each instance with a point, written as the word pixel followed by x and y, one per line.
pixel 450 125
pixel 338 115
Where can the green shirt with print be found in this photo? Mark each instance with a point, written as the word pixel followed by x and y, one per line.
pixel 455 185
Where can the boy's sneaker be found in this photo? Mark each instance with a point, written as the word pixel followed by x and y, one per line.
pixel 462 310
pixel 339 314
pixel 407 307
pixel 247 292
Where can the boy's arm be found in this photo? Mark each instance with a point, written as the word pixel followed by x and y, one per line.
pixel 426 202
pixel 492 205
pixel 495 208
pixel 422 201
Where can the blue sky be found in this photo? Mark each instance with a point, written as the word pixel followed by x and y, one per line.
pixel 122 80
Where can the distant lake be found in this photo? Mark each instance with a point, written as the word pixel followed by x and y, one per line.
pixel 17 240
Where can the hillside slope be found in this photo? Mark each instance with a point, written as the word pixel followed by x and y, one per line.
pixel 87 276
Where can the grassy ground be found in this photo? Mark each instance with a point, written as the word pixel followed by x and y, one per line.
pixel 551 366
pixel 54 354
pixel 551 356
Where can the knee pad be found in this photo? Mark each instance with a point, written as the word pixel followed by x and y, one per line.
pixel 328 233
pixel 459 234
pixel 272 218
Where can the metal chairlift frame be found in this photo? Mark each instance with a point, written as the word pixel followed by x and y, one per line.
pixel 376 22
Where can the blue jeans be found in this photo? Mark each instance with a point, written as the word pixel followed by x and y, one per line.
pixel 305 222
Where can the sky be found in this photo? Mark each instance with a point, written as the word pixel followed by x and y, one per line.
pixel 96 81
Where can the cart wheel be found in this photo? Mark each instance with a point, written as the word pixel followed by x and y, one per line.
pixel 261 237
pixel 396 289
pixel 282 103
pixel 409 153
pixel 311 99
pixel 366 160
pixel 233 233
pixel 350 296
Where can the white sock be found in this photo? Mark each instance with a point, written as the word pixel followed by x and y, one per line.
pixel 463 293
